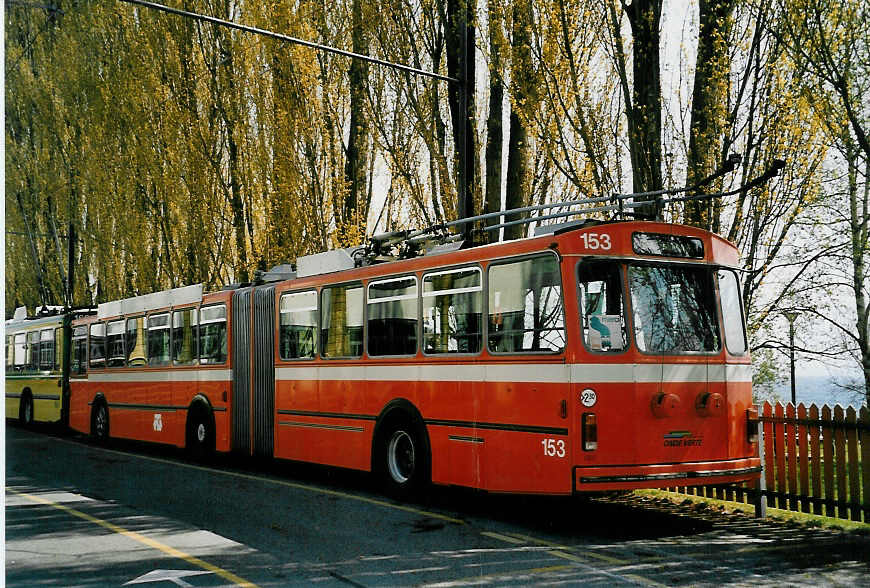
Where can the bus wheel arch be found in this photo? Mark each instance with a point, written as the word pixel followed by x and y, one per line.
pixel 100 418
pixel 401 451
pixel 25 408
pixel 200 428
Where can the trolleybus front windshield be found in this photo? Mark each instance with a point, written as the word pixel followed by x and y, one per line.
pixel 674 309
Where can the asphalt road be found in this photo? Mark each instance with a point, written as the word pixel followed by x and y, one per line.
pixel 129 514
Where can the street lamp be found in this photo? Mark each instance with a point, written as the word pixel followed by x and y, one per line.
pixel 790 316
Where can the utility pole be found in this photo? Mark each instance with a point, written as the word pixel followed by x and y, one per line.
pixel 790 316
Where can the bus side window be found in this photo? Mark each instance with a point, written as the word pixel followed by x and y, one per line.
pixel 58 348
pixel 158 339
pixel 79 357
pixel 213 335
pixel 297 338
pixel 184 337
pixel 601 306
pixel 732 312
pixel 452 315
pixel 525 306
pixel 341 321
pixel 20 351
pixel 46 349
pixel 97 353
pixel 32 351
pixel 115 344
pixel 134 342
pixel 392 317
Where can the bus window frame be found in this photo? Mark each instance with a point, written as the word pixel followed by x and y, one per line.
pixel 33 345
pixel 194 361
pixel 519 259
pixel 22 343
pixel 320 313
pixel 83 367
pixel 42 341
pixel 721 310
pixel 446 270
pixel 127 320
pixel 199 324
pixel 92 367
pixel 419 309
pixel 671 262
pixel 123 323
pixel 316 355
pixel 150 317
pixel 621 267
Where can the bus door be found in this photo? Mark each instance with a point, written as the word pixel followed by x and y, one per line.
pixel 253 403
pixel 603 378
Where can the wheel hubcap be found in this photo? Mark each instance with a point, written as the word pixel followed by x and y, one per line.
pixel 28 412
pixel 101 421
pixel 200 432
pixel 400 457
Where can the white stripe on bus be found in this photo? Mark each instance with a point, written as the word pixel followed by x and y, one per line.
pixel 168 375
pixel 533 373
pixel 542 373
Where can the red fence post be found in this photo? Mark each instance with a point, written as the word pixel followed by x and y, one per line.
pixel 791 450
pixel 767 439
pixel 803 456
pixel 780 442
pixel 865 459
pixel 852 458
pixel 816 445
pixel 828 452
pixel 840 453
pixel 760 499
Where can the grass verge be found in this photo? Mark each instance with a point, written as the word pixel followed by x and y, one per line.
pixel 809 520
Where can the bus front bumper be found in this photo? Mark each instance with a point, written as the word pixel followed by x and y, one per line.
pixel 596 479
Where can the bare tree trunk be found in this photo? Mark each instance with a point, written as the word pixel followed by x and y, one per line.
pixel 645 116
pixel 709 106
pixel 524 97
pixel 352 221
pixel 859 216
pixel 460 65
pixel 494 130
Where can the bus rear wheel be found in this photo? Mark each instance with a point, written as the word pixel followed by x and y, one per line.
pixel 25 411
pixel 403 458
pixel 100 422
pixel 200 433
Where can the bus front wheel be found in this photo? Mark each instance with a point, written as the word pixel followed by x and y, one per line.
pixel 100 422
pixel 404 458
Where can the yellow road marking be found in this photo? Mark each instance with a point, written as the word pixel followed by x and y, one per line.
pixel 504 538
pixel 646 581
pixel 539 541
pixel 171 551
pixel 510 574
pixel 607 558
pixel 586 552
pixel 295 485
pixel 567 556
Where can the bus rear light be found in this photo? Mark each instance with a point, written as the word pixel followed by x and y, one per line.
pixel 590 431
pixel 752 424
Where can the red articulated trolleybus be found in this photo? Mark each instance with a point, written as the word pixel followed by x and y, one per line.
pixel 594 356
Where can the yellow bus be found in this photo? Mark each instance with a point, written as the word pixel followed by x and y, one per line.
pixel 34 359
